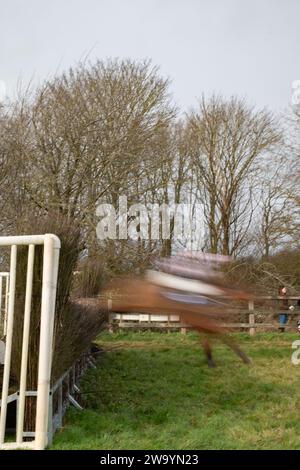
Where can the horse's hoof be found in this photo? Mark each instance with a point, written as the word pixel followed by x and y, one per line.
pixel 247 360
pixel 211 363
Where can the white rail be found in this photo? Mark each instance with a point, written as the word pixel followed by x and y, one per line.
pixel 49 283
pixel 4 292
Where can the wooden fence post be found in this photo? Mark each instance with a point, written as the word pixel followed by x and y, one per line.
pixel 251 317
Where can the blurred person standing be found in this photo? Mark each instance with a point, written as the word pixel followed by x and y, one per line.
pixel 284 307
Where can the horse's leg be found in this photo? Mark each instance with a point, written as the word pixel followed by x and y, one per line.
pixel 232 345
pixel 213 328
pixel 208 352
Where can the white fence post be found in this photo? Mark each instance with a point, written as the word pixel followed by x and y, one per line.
pixel 251 318
pixel 8 343
pixel 6 303
pixel 4 288
pixel 1 286
pixel 25 344
pixel 50 272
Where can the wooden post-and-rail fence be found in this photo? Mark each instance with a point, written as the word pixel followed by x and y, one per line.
pixel 256 312
pixel 292 300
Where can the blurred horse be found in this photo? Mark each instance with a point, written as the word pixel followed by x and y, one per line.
pixel 192 289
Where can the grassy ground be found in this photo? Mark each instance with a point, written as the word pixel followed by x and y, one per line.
pixel 154 391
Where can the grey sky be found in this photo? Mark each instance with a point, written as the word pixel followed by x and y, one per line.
pixel 245 47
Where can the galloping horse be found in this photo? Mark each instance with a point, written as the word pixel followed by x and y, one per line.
pixel 186 286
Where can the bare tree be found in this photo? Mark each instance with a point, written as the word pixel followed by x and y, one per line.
pixel 227 140
pixel 84 136
pixel 275 213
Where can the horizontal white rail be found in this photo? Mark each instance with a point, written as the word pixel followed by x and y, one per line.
pixel 142 317
pixel 29 239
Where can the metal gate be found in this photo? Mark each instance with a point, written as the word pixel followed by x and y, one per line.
pixel 49 283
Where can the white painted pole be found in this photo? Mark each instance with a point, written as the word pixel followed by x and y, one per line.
pixel 1 278
pixel 50 272
pixel 6 304
pixel 8 346
pixel 25 344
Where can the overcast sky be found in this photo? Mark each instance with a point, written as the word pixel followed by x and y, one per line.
pixel 245 47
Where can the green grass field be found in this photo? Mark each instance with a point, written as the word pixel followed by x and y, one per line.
pixel 155 391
